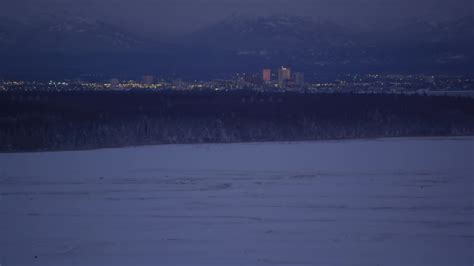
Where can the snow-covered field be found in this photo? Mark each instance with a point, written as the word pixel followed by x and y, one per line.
pixel 406 201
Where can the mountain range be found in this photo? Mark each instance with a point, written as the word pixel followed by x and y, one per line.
pixel 245 41
pixel 236 32
pixel 70 35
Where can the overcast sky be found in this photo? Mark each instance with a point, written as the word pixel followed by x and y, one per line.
pixel 185 15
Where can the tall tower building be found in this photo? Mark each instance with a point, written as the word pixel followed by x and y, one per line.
pixel 267 75
pixel 284 74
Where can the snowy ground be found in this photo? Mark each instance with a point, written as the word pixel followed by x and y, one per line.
pixel 358 202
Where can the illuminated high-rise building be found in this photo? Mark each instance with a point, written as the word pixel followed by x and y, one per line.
pixel 267 75
pixel 284 74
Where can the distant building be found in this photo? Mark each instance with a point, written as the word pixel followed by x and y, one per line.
pixel 114 83
pixel 284 74
pixel 179 84
pixel 147 80
pixel 299 78
pixel 267 75
pixel 430 79
pixel 252 79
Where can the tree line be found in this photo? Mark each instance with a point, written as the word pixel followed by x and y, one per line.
pixel 68 120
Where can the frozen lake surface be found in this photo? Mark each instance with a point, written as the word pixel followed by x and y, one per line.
pixel 405 201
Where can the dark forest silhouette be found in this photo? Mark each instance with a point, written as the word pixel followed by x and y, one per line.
pixel 91 119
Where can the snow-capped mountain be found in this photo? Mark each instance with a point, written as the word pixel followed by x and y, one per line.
pixel 65 35
pixel 424 30
pixel 301 32
pixel 76 34
pixel 271 32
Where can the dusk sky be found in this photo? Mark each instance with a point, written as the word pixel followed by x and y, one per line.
pixel 184 15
